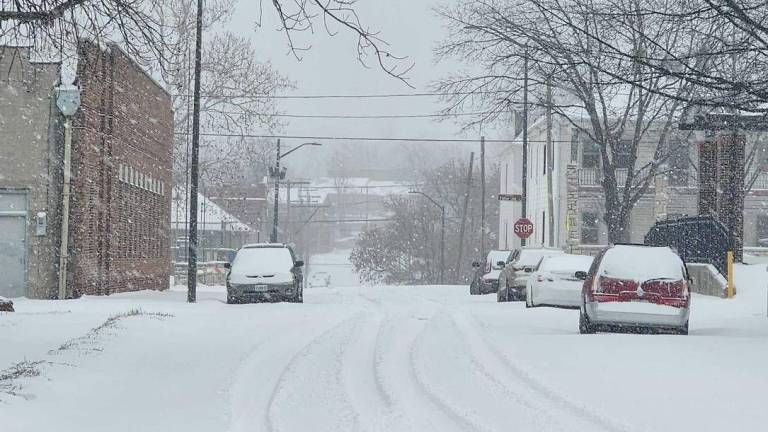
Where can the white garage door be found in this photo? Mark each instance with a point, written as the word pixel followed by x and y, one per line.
pixel 12 244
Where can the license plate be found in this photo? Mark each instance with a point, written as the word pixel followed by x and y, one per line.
pixel 260 288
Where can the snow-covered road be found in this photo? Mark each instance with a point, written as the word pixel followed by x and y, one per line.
pixel 376 359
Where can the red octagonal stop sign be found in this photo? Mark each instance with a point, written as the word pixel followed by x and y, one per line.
pixel 523 228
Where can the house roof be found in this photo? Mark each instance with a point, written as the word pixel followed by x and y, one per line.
pixel 210 217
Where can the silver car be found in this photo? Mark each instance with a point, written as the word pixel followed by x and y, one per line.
pixel 265 272
pixel 636 287
pixel 514 278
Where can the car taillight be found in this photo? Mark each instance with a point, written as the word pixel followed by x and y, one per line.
pixel 540 278
pixel 487 267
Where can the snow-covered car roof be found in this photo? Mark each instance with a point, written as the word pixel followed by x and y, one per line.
pixel 566 263
pixel 641 263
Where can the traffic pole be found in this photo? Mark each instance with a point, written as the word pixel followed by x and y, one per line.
pixel 729 289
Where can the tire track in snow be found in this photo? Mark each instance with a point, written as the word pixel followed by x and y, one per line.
pixel 343 329
pixel 256 380
pixel 482 343
pixel 362 379
pixel 451 413
pixel 537 415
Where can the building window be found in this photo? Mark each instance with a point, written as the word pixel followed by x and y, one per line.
pixel 544 165
pixel 589 228
pixel 679 162
pixel 761 228
pixel 621 157
pixel 590 154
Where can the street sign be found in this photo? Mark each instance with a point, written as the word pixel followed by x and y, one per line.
pixel 523 228
pixel 510 197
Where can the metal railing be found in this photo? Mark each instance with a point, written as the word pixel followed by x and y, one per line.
pixel 761 183
pixel 593 176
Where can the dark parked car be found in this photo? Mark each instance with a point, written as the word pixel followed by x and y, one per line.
pixel 266 271
pixel 486 277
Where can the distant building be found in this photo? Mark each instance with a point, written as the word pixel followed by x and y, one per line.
pixel 216 228
pixel 121 176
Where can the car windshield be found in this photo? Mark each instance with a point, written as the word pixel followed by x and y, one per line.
pixel 494 257
pixel 532 257
pixel 641 263
pixel 262 260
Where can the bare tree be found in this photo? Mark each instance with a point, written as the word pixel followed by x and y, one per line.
pixel 556 41
pixel 54 26
pixel 721 49
pixel 407 248
pixel 237 91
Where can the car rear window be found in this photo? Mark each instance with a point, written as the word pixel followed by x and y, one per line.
pixel 641 263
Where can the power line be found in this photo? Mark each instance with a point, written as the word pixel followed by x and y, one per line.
pixel 333 138
pixel 354 117
pixel 345 96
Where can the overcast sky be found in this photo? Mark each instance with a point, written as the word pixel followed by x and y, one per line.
pixel 331 67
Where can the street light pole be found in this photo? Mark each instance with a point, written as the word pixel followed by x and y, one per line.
pixel 277 175
pixel 68 101
pixel 442 231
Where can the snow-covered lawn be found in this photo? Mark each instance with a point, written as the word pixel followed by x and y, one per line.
pixel 376 359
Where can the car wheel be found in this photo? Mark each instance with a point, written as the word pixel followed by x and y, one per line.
pixel 500 296
pixel 473 289
pixel 683 330
pixel 300 296
pixel 584 325
pixel 232 300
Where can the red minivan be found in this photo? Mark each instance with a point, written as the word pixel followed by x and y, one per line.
pixel 635 287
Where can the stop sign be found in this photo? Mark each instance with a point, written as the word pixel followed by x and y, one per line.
pixel 523 228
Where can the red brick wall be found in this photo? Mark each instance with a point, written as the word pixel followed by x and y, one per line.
pixel 120 217
pixel 721 184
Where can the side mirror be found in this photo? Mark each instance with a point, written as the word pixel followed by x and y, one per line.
pixel 475 264
pixel 501 264
pixel 581 275
pixel 227 265
pixel 528 270
pixel 298 264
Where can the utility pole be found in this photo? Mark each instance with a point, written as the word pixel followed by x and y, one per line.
pixel 275 215
pixel 524 203
pixel 288 212
pixel 442 232
pixel 194 166
pixel 464 214
pixel 277 174
pixel 482 197
pixel 550 167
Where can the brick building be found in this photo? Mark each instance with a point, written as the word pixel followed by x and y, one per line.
pixel 121 174
pixel 121 167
